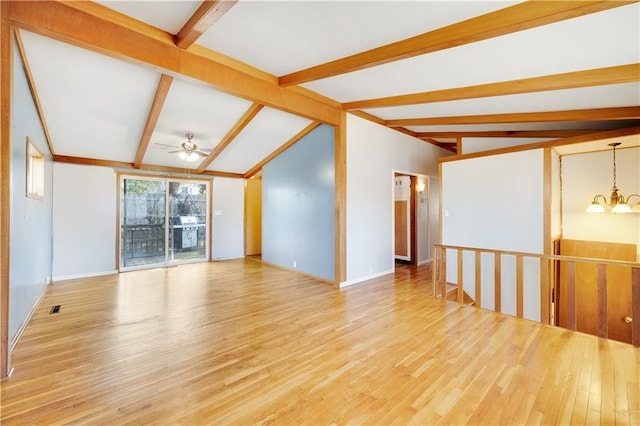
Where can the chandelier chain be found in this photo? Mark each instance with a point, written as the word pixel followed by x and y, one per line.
pixel 614 169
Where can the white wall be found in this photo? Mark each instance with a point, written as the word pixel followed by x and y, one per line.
pixel 374 152
pixel 228 218
pixel 30 219
pixel 584 176
pixel 423 203
pixel 84 221
pixel 496 202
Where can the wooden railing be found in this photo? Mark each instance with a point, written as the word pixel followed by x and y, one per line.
pixel 549 265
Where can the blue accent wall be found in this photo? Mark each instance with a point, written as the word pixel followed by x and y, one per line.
pixel 298 200
pixel 31 219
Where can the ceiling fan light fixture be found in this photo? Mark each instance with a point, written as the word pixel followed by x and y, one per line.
pixel 188 156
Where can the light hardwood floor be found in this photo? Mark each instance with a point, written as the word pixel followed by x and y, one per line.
pixel 236 342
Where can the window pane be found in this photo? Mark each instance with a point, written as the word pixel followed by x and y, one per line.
pixel 143 212
pixel 188 220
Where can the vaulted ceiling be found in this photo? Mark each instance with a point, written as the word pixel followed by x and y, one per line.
pixel 121 83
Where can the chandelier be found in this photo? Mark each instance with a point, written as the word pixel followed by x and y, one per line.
pixel 617 202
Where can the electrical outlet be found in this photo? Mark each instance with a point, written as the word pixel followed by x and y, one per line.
pixel 294 264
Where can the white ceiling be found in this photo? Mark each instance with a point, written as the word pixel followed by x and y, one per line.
pixel 96 106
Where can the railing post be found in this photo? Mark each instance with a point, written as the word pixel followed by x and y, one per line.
pixel 519 286
pixel 635 306
pixel 545 278
pixel 478 280
pixel 498 283
pixel 443 273
pixel 571 295
pixel 434 271
pixel 603 316
pixel 460 278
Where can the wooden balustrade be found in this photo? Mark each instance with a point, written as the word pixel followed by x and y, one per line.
pixel 548 264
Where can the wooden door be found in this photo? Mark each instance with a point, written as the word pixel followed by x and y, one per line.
pixel 618 287
pixel 402 229
pixel 253 217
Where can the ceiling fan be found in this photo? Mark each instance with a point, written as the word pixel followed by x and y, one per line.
pixel 188 150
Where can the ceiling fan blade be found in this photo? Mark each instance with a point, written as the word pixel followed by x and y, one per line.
pixel 164 144
pixel 179 150
pixel 201 154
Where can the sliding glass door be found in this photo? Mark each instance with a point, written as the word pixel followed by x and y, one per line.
pixel 188 221
pixel 162 221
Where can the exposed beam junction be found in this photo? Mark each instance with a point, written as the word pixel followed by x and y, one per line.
pixel 203 18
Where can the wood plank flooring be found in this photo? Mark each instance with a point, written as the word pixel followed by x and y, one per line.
pixel 236 342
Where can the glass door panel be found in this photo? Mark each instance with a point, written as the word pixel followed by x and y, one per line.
pixel 142 222
pixel 187 221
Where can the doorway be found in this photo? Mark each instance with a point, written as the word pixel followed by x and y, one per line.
pixel 416 222
pixel 405 232
pixel 162 222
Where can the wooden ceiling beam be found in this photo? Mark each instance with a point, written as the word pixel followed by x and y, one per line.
pixel 34 91
pixel 511 19
pixel 596 114
pixel 149 167
pixel 556 134
pixel 154 112
pixel 369 117
pixel 590 137
pixel 629 73
pixel 304 132
pixel 86 25
pixel 231 135
pixel 444 145
pixel 203 18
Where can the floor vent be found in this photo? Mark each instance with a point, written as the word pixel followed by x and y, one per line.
pixel 55 309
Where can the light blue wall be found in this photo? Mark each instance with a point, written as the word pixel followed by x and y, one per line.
pixel 31 219
pixel 298 206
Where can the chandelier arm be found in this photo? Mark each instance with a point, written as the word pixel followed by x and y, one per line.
pixel 595 199
pixel 632 195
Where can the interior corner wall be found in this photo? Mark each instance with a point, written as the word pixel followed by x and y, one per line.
pixel 228 218
pixel 30 219
pixel 374 152
pixel 584 176
pixel 298 199
pixel 496 202
pixel 84 218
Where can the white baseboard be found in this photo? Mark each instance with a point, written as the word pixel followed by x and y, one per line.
pixel 365 278
pixel 216 259
pixel 424 262
pixel 89 275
